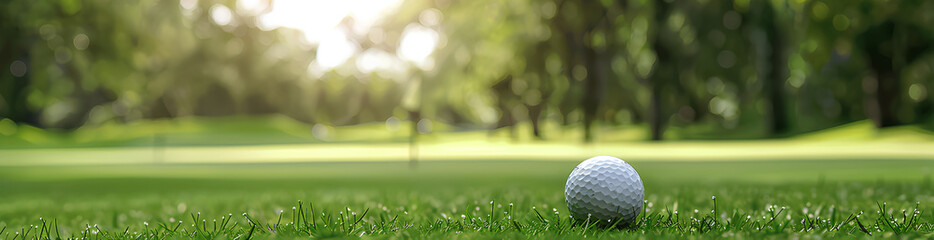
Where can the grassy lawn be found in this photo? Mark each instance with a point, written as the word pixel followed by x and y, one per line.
pixel 452 199
pixel 280 130
pixel 241 178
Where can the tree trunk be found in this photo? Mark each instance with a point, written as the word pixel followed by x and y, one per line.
pixel 655 111
pixel 593 90
pixel 575 55
pixel 883 95
pixel 414 116
pixel 882 90
pixel 772 66
pixel 16 96
pixel 663 72
pixel 778 118
pixel 535 114
pixel 19 107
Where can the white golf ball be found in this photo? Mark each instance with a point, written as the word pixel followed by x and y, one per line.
pixel 606 189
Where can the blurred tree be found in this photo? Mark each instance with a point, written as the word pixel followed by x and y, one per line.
pixel 583 25
pixel 769 38
pixel 889 46
pixel 506 100
pixel 883 36
pixel 665 71
pixel 539 87
pixel 18 29
pixel 756 68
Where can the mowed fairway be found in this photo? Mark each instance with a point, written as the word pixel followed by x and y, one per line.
pixel 464 199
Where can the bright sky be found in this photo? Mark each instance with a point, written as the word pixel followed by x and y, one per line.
pixel 318 20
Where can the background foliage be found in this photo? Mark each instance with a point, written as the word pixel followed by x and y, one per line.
pixel 712 69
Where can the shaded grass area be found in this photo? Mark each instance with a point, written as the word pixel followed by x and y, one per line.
pixel 188 131
pixel 277 129
pixel 449 199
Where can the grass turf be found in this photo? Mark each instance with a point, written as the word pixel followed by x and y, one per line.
pixel 461 199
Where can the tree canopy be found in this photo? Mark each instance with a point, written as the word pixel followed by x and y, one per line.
pixel 762 68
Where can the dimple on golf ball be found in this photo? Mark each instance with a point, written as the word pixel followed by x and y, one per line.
pixel 604 188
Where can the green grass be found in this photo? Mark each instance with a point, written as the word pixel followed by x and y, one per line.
pixel 452 199
pixel 281 130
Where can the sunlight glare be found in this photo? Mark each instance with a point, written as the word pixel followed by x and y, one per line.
pixel 251 7
pixel 335 49
pixel 418 42
pixel 383 63
pixel 321 25
pixel 316 18
pixel 320 22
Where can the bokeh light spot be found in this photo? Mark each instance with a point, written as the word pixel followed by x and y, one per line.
pixel 424 126
pixel 579 72
pixel 726 59
pixel 732 20
pixel 81 41
pixel 252 7
pixel 841 22
pixel 393 124
pixel 321 132
pixel 221 14
pixel 820 10
pixel 917 92
pixel 7 127
pixel 18 68
pixel 430 17
pixel 188 4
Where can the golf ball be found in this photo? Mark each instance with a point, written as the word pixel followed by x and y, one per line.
pixel 604 188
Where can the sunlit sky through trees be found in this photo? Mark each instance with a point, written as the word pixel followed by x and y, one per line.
pixel 329 25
